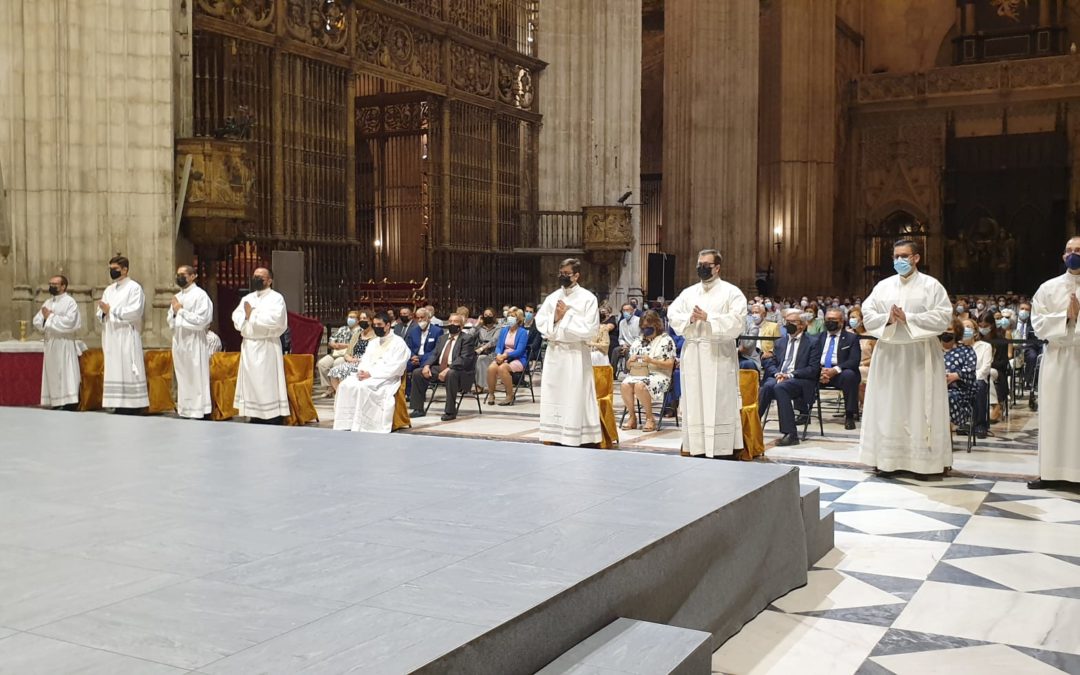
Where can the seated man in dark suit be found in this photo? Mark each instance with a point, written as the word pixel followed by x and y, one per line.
pixel 452 362
pixel 421 338
pixel 840 357
pixel 791 376
pixel 1032 349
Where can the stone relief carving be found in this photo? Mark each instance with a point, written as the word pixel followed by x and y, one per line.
pixel 254 13
pixel 1021 74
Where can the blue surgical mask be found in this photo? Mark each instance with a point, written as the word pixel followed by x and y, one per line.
pixel 1024 315
pixel 984 330
pixel 528 316
pixel 959 309
pixel 756 318
pixel 647 331
pixel 968 333
pixel 902 266
pixel 511 321
pixel 1003 323
pixel 853 322
pixel 768 305
pixel 1072 261
pixel 627 315
pixel 351 321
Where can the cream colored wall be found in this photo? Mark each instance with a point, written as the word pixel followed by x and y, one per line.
pixel 86 148
pixel 905 35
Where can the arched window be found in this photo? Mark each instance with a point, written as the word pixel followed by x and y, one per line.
pixel 880 237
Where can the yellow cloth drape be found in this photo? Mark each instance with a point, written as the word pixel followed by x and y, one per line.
pixel 604 380
pixel 159 377
pixel 299 381
pixel 401 409
pixel 753 436
pixel 92 386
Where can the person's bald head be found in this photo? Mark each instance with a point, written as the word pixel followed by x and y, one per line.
pixel 266 275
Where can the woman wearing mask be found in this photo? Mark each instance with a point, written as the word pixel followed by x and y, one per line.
pixel 650 361
pixel 815 324
pixel 999 367
pixel 610 323
pixel 855 323
pixel 960 363
pixel 487 336
pixel 984 356
pixel 600 345
pixel 357 346
pixel 509 356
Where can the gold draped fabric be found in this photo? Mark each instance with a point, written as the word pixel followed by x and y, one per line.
pixel 299 379
pixel 159 376
pixel 753 436
pixel 604 380
pixel 401 409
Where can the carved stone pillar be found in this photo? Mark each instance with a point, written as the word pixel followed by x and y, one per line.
pixel 86 144
pixel 710 135
pixel 796 175
pixel 590 142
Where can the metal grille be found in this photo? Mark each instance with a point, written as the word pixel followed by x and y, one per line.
pixel 510 170
pixel 516 24
pixel 470 176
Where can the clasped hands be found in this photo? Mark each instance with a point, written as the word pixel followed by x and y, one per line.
pixel 176 306
pixel 897 315
pixel 104 307
pixel 46 312
pixel 698 315
pixel 1074 307
pixel 560 311
pixel 248 309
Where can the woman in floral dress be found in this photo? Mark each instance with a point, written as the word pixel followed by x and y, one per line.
pixel 650 360
pixel 352 359
pixel 960 363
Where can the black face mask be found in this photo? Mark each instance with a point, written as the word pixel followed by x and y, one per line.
pixel 792 328
pixel 257 283
pixel 404 318
pixel 181 281
pixel 114 273
pixel 704 272
pixel 454 329
pixel 488 320
pixel 380 331
pixel 947 338
pixel 832 326
pixel 364 325
pixel 565 280
pixel 54 290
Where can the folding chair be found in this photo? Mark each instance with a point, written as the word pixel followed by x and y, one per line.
pixel 814 402
pixel 663 401
pixel 533 363
pixel 467 390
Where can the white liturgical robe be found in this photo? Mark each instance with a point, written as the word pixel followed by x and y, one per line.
pixel 569 413
pixel 260 384
pixel 190 351
pixel 121 340
pixel 60 376
pixel 368 404
pixel 1059 386
pixel 905 422
pixel 709 367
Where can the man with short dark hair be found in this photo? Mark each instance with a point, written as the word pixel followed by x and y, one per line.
pixel 60 319
pixel 569 319
pixel 120 312
pixel 261 318
pixel 905 422
pixel 841 355
pixel 190 315
pixel 366 401
pixel 404 322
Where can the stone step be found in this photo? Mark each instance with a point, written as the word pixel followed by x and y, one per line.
pixel 638 648
pixel 817 523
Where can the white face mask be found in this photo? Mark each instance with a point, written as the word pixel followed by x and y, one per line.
pixel 756 318
pixel 423 324
pixel 511 321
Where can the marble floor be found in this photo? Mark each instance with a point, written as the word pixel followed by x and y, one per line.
pixel 969 574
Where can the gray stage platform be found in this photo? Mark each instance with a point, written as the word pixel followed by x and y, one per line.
pixel 165 546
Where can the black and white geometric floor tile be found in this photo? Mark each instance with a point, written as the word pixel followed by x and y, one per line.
pixel 956 576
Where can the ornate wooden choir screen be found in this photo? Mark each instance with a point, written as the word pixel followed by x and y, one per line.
pixel 391 139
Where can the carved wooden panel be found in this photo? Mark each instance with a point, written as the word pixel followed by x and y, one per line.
pixel 322 23
pixel 389 43
pixel 515 86
pixel 257 14
pixel 471 70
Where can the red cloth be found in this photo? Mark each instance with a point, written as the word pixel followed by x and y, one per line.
pixel 20 378
pixel 307 334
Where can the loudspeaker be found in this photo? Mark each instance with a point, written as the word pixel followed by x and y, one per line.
pixel 289 278
pixel 661 276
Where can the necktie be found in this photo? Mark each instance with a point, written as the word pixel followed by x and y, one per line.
pixel 444 362
pixel 787 357
pixel 829 354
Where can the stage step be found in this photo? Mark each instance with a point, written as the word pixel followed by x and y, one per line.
pixel 817 523
pixel 638 647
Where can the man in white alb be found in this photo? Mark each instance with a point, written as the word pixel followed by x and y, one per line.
pixel 906 413
pixel 568 320
pixel 709 316
pixel 189 317
pixel 1054 312
pixel 365 402
pixel 261 318
pixel 120 312
pixel 60 319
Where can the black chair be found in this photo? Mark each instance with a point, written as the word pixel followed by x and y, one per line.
pixel 467 389
pixel 533 364
pixel 663 401
pixel 815 402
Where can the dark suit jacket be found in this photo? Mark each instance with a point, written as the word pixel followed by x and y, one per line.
pixel 848 350
pixel 412 339
pixel 402 329
pixel 463 357
pixel 807 358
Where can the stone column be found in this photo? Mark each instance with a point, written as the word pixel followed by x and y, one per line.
pixel 796 178
pixel 710 135
pixel 86 144
pixel 590 96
